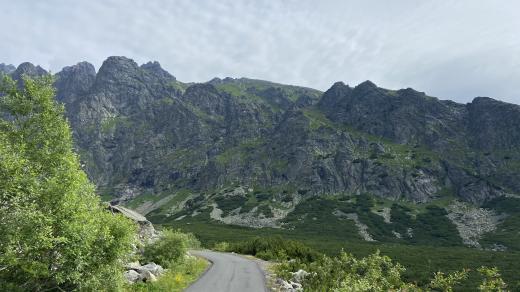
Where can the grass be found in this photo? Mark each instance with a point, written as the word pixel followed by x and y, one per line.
pixel 176 278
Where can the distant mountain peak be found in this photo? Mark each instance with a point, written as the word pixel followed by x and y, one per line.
pixel 28 69
pixel 7 68
pixel 156 69
pixel 75 80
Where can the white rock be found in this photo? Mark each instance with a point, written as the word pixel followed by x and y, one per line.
pixel 299 275
pixel 153 268
pixel 132 276
pixel 147 276
pixel 133 266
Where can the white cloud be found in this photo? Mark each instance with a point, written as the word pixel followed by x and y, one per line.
pixel 450 49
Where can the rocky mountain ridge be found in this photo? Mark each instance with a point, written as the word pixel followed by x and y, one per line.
pixel 257 149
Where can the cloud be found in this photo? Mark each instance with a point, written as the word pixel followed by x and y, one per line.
pixel 451 49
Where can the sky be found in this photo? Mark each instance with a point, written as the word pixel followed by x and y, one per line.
pixel 450 49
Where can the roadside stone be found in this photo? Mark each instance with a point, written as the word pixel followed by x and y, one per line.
pixel 299 276
pixel 147 276
pixel 132 276
pixel 153 268
pixel 133 266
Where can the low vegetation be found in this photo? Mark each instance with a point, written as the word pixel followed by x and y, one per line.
pixel 421 261
pixel 345 272
pixel 271 248
pixel 376 272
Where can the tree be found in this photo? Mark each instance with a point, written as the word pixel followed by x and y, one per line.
pixel 55 234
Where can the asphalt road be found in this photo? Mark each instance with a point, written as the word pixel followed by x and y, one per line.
pixel 229 273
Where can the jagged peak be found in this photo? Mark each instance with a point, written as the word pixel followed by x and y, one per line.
pixel 339 84
pixel 83 67
pixel 75 80
pixel 366 84
pixel 338 87
pixel 7 68
pixel 117 62
pixel 411 92
pixel 29 69
pixel 156 69
pixel 117 69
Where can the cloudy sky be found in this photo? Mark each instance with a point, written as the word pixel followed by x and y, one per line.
pixel 450 49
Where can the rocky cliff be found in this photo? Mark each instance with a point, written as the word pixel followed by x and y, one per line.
pixel 164 146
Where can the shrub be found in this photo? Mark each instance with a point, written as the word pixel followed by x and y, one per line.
pixel 376 273
pixel 492 280
pixel 170 248
pixel 221 246
pixel 275 248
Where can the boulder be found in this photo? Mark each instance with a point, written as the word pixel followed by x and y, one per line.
pixel 299 276
pixel 133 266
pixel 132 276
pixel 153 268
pixel 147 276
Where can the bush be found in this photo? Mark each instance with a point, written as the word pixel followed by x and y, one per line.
pixel 55 234
pixel 170 248
pixel 376 273
pixel 221 246
pixel 275 248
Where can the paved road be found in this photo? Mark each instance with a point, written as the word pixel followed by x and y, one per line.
pixel 229 273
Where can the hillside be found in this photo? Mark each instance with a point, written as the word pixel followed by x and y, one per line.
pixel 367 162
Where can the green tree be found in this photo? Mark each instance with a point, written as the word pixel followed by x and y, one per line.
pixel 55 234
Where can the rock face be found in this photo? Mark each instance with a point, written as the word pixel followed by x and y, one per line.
pixel 139 131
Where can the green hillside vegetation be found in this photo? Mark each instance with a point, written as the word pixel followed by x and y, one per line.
pixel 421 261
pixel 507 232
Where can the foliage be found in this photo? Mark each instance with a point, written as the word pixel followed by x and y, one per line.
pixel 56 235
pixel 376 272
pixel 347 273
pixel 506 233
pixel 177 278
pixel 433 225
pixel 170 249
pixel 443 282
pixel 275 248
pixel 422 261
pixel 221 246
pixel 492 280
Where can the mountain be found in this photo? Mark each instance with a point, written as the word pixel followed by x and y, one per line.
pixel 262 154
pixel 7 68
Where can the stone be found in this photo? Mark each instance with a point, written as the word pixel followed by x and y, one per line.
pixel 153 268
pixel 147 276
pixel 132 276
pixel 133 266
pixel 299 275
